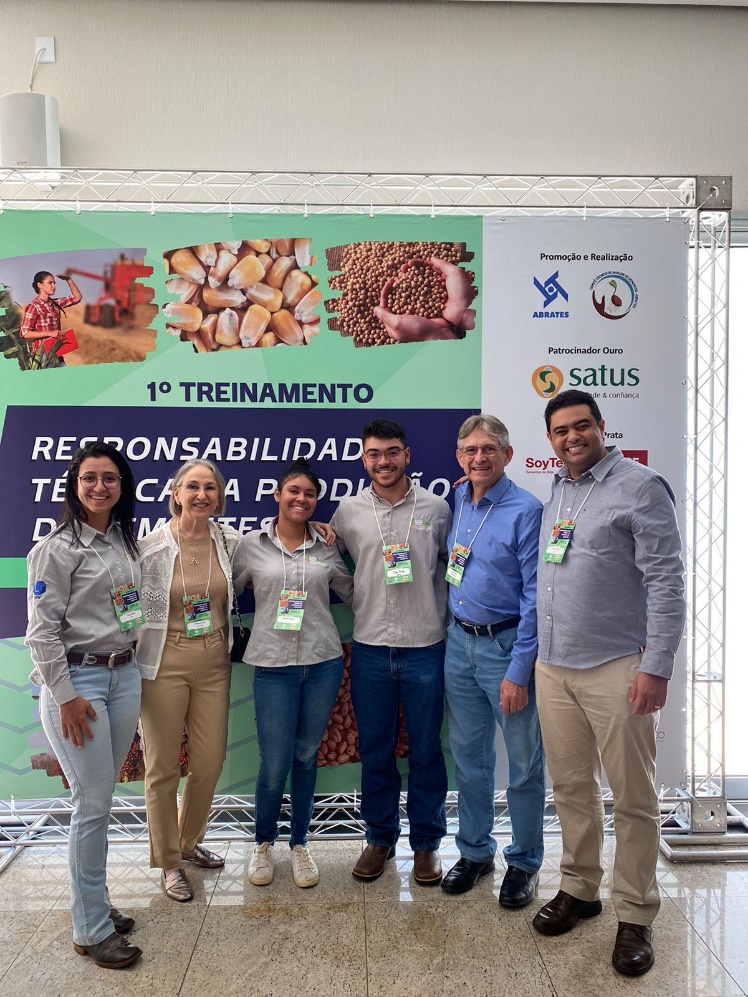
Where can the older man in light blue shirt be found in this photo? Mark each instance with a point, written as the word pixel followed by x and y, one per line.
pixel 490 656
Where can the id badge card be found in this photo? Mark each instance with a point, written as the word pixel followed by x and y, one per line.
pixel 397 564
pixel 127 606
pixel 559 541
pixel 456 565
pixel 290 612
pixel 197 619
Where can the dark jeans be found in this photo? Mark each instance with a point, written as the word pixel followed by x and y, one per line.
pixel 381 678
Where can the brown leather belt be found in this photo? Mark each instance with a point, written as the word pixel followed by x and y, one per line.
pixel 96 658
pixel 488 630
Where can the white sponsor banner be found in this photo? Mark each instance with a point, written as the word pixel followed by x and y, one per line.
pixel 600 305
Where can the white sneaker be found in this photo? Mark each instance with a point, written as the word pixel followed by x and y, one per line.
pixel 305 871
pixel 261 865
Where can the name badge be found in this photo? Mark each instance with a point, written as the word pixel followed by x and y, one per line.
pixel 560 539
pixel 127 607
pixel 456 565
pixel 197 619
pixel 397 564
pixel 290 612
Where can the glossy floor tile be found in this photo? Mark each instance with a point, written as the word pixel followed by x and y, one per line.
pixel 388 938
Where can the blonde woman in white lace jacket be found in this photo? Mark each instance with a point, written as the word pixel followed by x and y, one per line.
pixel 184 655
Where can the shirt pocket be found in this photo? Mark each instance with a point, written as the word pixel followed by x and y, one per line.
pixel 593 531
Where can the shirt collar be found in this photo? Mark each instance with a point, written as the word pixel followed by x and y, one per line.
pixel 269 531
pixel 599 471
pixel 89 534
pixel 377 498
pixel 493 495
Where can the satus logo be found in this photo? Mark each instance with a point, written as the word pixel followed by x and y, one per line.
pixel 547 381
pixel 614 294
pixel 551 289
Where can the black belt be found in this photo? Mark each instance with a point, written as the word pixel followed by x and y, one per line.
pixel 96 658
pixel 489 629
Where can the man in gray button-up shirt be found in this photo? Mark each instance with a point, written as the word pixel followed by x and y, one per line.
pixel 396 533
pixel 611 613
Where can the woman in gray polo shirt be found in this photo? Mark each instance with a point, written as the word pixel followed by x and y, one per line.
pixel 83 607
pixel 295 648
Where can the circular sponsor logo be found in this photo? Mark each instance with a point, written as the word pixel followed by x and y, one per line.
pixel 614 294
pixel 547 381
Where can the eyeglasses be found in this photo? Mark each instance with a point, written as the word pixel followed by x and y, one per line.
pixel 391 454
pixel 107 480
pixel 489 451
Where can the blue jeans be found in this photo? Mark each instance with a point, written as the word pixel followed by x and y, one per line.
pixel 473 672
pixel 92 772
pixel 292 708
pixel 381 678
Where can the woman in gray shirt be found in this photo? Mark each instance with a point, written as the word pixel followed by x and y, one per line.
pixel 295 648
pixel 83 608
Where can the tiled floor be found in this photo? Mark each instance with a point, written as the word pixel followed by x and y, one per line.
pixel 391 938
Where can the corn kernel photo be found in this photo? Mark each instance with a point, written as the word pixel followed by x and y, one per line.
pixel 242 295
pixel 401 292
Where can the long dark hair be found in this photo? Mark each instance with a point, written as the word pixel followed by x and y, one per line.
pixel 38 278
pixel 300 466
pixel 73 513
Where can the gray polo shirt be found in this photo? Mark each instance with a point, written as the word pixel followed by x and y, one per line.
pixel 70 605
pixel 620 586
pixel 409 614
pixel 313 566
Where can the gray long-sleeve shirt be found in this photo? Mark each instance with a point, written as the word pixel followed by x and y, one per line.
pixel 314 567
pixel 69 602
pixel 412 614
pixel 620 586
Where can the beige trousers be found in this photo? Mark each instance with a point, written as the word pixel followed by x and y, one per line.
pixel 585 717
pixel 191 690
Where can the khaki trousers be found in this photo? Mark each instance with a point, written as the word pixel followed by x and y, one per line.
pixel 191 690
pixel 585 717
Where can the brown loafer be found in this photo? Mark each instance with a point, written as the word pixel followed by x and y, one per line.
pixel 202 856
pixel 427 867
pixel 633 954
pixel 176 885
pixel 371 864
pixel 114 952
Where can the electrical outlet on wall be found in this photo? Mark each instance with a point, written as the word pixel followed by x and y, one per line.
pixel 48 44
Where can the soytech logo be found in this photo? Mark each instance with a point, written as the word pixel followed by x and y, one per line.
pixel 551 289
pixel 547 381
pixel 614 294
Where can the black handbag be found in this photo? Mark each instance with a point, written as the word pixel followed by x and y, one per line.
pixel 240 633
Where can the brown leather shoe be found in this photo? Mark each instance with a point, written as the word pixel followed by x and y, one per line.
pixel 122 922
pixel 114 952
pixel 427 867
pixel 633 954
pixel 562 913
pixel 202 856
pixel 371 864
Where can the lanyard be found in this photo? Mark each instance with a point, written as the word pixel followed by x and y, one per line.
pixel 127 558
pixel 561 501
pixel 181 564
pixel 303 559
pixel 412 516
pixel 459 520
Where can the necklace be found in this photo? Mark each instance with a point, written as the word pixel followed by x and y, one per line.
pixel 192 543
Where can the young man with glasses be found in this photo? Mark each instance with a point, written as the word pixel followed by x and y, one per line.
pixel 396 534
pixel 491 650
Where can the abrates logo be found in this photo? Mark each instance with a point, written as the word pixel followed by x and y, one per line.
pixel 547 381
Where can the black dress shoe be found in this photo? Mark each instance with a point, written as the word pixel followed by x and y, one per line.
pixel 113 953
pixel 562 913
pixel 633 954
pixel 122 922
pixel 518 888
pixel 465 874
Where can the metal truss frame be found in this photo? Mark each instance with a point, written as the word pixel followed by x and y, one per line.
pixel 705 202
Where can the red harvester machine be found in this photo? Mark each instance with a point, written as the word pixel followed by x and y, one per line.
pixel 116 305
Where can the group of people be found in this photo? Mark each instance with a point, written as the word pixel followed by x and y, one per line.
pixel 559 625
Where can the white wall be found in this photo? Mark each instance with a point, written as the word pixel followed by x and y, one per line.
pixel 423 87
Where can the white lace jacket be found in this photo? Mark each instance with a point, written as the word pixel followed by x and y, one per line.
pixel 158 554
